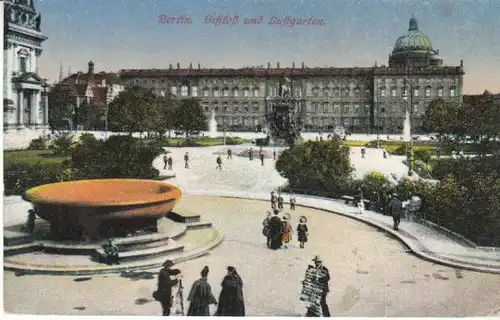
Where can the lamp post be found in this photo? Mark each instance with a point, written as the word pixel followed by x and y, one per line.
pixel 106 122
pixel 409 147
pixel 224 130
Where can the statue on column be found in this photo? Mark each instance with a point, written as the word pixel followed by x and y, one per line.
pixel 38 22
pixel 284 90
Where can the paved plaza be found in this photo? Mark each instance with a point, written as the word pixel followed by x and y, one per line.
pixel 373 274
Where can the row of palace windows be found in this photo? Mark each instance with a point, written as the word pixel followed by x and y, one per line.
pixel 245 121
pixel 214 92
pixel 416 92
pixel 337 121
pixel 327 108
pixel 245 108
pixel 338 92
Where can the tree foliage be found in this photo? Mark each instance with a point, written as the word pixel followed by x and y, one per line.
pixel 61 102
pixel 134 110
pixel 319 165
pixel 90 116
pixel 189 117
pixel 117 157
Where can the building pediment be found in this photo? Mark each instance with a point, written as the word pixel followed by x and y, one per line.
pixel 28 77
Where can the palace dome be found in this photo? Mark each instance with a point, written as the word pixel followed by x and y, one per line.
pixel 413 41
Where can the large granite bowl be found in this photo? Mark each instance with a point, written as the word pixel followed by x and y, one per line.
pixel 93 206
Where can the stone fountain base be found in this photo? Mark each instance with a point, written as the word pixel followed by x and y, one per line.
pixel 180 236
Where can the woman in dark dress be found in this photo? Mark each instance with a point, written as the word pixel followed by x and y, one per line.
pixel 231 297
pixel 302 231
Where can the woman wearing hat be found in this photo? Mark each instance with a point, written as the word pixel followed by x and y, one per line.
pixel 231 301
pixel 302 231
pixel 287 232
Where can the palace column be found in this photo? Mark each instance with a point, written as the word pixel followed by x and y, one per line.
pixel 46 110
pixel 34 108
pixel 20 109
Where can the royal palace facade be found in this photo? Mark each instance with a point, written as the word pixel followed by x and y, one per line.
pixel 365 99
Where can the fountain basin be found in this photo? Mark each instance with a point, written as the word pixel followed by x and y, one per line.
pixel 99 207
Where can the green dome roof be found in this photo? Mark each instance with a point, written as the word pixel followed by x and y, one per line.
pixel 413 40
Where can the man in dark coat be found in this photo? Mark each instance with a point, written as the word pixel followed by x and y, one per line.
pixel 275 230
pixel 201 296
pixel 318 264
pixel 274 155
pixel 170 162
pixel 165 283
pixel 396 210
pixel 262 159
pixel 219 163
pixel 186 161
pixel 165 161
pixel 231 301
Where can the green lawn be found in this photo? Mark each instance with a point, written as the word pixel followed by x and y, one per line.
pixel 31 157
pixel 202 142
pixel 390 146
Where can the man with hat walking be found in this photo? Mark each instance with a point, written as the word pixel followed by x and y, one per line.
pixel 165 283
pixel 396 209
pixel 323 281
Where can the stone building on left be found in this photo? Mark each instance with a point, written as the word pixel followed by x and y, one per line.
pixel 25 102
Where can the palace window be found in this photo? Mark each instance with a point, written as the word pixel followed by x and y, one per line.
pixel 225 108
pixel 356 108
pixel 246 107
pixel 393 92
pixel 173 90
pixel 452 91
pixel 337 92
pixel 315 108
pixel 347 122
pixel 184 91
pixel 394 108
pixel 205 92
pixel 347 109
pixel 440 91
pixel 326 92
pixel 382 92
pixel 428 92
pixel 325 107
pixel 315 92
pixel 356 92
pixel 235 108
pixel 356 122
pixel 336 108
pixel 256 92
pixel 22 64
pixel 415 92
pixel 216 92
pixel 236 92
pixel 415 109
pixel 405 92
pixel 225 92
pixel 245 92
pixel 256 108
pixel 346 92
pixel 367 109
pixel 194 91
pixel 367 92
pixel 298 92
pixel 216 109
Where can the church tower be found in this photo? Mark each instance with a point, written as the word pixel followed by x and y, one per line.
pixel 24 106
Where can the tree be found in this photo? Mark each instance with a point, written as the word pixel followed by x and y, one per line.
pixel 134 110
pixel 320 165
pixel 165 120
pixel 61 103
pixel 90 115
pixel 189 117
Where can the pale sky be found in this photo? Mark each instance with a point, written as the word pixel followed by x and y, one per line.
pixel 121 34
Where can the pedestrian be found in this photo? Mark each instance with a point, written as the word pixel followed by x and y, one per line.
pixel 323 280
pixel 231 302
pixel 274 155
pixel 250 154
pixel 200 296
pixel 186 160
pixel 363 153
pixel 165 161
pixel 266 230
pixel 170 162
pixel 396 210
pixel 275 230
pixel 262 159
pixel 384 153
pixel 261 151
pixel 165 283
pixel 110 253
pixel 219 163
pixel 229 154
pixel 293 201
pixel 302 231
pixel 274 199
pixel 280 201
pixel 29 227
pixel 287 232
